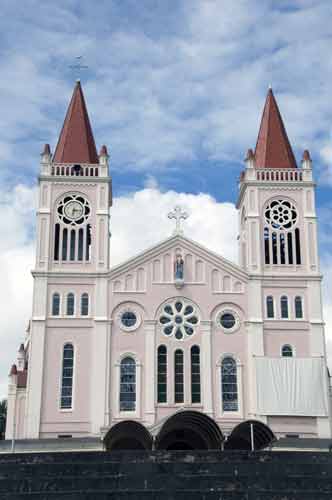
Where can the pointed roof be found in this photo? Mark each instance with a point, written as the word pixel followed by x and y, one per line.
pixel 273 149
pixel 76 142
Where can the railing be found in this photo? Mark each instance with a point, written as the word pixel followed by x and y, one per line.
pixel 75 170
pixel 279 175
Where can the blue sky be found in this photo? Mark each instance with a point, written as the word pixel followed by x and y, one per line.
pixel 176 91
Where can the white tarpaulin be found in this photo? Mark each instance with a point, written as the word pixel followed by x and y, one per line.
pixel 291 386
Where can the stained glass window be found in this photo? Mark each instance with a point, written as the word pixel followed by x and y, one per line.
pixel 128 384
pixel 229 385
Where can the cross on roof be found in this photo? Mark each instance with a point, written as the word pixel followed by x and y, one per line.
pixel 78 66
pixel 178 214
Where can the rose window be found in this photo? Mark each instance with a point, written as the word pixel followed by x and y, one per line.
pixel 178 319
pixel 73 209
pixel 281 214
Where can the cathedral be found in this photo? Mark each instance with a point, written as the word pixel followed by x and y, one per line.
pixel 177 348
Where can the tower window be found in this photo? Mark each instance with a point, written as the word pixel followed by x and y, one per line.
pixel 298 246
pixel 229 385
pixel 290 247
pixel 55 304
pixel 56 241
pixel 128 384
pixel 298 308
pixel 195 375
pixel 287 351
pixel 70 304
pixel 64 243
pixel 178 377
pixel 266 245
pixel 162 374
pixel 84 304
pixel 72 244
pixel 269 307
pixel 284 307
pixel 67 377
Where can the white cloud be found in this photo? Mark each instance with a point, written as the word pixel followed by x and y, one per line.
pixel 164 90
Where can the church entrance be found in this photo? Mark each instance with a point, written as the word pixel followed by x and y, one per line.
pixel 189 430
pixel 128 435
pixel 250 435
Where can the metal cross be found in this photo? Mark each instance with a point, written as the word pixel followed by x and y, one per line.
pixel 78 66
pixel 178 214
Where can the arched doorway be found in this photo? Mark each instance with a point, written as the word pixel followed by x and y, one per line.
pixel 189 430
pixel 128 435
pixel 250 435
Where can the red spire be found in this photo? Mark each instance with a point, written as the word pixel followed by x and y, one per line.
pixel 13 370
pixel 76 143
pixel 273 149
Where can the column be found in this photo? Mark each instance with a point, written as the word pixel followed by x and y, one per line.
pixel 149 371
pixel 206 366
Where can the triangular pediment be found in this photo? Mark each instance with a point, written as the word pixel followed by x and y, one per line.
pixel 156 265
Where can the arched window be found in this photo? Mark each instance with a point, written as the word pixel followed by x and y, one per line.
pixel 287 351
pixel 70 304
pixel 298 308
pixel 128 384
pixel 178 377
pixel 84 304
pixel 67 377
pixel 229 389
pixel 284 307
pixel 55 304
pixel 195 375
pixel 162 374
pixel 269 307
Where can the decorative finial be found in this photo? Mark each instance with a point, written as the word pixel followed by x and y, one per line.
pixel 78 66
pixel 178 214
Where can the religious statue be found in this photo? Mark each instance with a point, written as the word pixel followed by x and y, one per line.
pixel 178 267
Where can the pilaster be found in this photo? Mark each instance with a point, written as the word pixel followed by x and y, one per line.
pixel 149 371
pixel 206 366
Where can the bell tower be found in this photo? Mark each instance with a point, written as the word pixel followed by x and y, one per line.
pixel 72 245
pixel 75 195
pixel 276 203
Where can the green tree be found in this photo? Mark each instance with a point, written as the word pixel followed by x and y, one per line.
pixel 3 417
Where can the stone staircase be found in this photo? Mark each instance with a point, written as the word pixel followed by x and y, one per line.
pixel 166 475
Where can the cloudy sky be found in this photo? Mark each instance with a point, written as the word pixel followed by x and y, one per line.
pixel 175 89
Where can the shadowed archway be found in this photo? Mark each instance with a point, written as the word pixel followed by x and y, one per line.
pixel 128 435
pixel 189 430
pixel 248 435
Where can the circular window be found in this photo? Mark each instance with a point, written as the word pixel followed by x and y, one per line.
pixel 228 320
pixel 73 209
pixel 178 319
pixel 128 319
pixel 281 214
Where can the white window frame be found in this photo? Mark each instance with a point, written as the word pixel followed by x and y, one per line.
pixel 239 374
pixel 128 414
pixel 51 305
pixel 67 410
pixel 66 305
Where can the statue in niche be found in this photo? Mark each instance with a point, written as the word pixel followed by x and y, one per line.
pixel 178 267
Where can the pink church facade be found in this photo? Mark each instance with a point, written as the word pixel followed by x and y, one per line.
pixel 178 329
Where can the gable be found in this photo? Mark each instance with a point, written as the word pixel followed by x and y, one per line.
pixel 156 266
